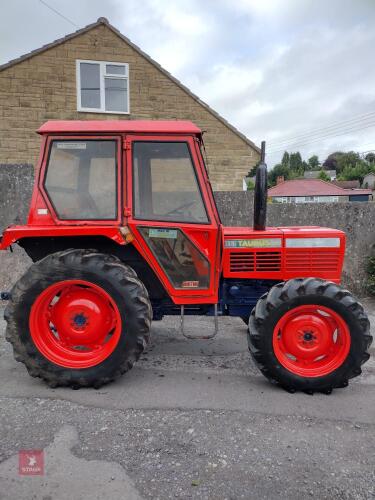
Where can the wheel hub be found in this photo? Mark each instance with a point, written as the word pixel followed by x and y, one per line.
pixel 75 324
pixel 308 336
pixel 79 320
pixel 311 340
pixel 82 315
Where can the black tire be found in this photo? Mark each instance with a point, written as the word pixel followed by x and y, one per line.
pixel 285 296
pixel 117 279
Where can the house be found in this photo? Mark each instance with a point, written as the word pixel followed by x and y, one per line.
pixel 315 191
pixel 98 73
pixel 369 181
pixel 314 174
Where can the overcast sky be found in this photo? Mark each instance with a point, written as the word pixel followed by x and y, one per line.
pixel 293 72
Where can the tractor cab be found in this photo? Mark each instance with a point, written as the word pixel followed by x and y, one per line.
pixel 123 228
pixel 144 181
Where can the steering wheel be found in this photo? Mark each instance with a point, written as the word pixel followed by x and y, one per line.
pixel 178 209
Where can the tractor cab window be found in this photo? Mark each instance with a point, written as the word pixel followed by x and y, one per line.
pixel 81 179
pixel 165 185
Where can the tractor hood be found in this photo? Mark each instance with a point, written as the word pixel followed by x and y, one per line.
pixel 283 253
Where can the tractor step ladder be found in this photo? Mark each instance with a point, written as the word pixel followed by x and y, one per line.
pixel 203 337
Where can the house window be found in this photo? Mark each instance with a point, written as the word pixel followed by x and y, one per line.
pixel 102 87
pixel 281 199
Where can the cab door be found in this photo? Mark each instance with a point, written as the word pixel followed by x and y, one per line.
pixel 171 214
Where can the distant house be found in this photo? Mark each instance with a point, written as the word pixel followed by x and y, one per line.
pixel 369 181
pixel 314 174
pixel 315 191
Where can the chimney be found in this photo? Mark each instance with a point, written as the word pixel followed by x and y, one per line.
pixel 279 179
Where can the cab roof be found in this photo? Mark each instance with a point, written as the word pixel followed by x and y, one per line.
pixel 119 126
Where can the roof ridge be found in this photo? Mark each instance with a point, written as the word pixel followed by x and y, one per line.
pixel 104 21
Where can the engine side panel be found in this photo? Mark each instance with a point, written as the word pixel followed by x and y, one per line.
pixel 283 253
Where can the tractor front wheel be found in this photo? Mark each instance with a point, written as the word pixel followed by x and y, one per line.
pixel 78 318
pixel 309 335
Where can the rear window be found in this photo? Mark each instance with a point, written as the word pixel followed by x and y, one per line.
pixel 81 179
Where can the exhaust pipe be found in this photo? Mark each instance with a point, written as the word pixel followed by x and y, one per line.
pixel 260 192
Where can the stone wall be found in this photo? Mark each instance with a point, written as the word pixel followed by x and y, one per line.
pixel 236 209
pixel 43 87
pixel 16 183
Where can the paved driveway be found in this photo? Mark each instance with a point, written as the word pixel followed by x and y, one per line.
pixel 193 419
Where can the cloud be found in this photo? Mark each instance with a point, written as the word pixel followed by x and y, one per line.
pixel 273 68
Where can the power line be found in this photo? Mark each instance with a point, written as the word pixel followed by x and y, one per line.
pixel 333 125
pixel 58 13
pixel 337 125
pixel 350 127
pixel 317 139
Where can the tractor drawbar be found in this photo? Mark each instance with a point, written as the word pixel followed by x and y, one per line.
pixel 260 192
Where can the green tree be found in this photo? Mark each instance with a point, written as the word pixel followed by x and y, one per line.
pixel 250 184
pixel 357 172
pixel 278 171
pixel 330 163
pixel 323 176
pixel 285 160
pixel 313 163
pixel 348 160
pixel 340 161
pixel 295 162
pixel 296 165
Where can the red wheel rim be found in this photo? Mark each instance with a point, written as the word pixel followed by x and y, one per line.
pixel 75 324
pixel 311 341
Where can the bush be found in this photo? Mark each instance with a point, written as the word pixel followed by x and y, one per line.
pixel 323 176
pixel 371 273
pixel 250 185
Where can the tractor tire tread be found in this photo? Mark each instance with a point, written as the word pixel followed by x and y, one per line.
pixel 293 290
pixel 123 276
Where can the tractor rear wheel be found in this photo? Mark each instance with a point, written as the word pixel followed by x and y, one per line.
pixel 78 318
pixel 309 335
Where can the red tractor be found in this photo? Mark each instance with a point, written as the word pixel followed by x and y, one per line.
pixel 123 229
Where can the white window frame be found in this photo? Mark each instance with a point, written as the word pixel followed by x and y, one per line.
pixel 281 199
pixel 103 74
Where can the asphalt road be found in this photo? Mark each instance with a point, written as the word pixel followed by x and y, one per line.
pixel 193 419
